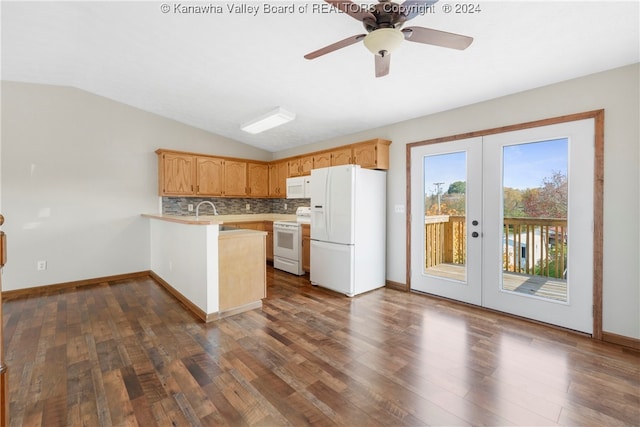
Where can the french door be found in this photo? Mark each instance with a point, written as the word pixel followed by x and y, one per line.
pixel 446 256
pixel 505 221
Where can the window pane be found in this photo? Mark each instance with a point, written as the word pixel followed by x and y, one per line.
pixel 445 202
pixel 535 204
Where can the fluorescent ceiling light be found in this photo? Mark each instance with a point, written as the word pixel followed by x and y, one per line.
pixel 270 120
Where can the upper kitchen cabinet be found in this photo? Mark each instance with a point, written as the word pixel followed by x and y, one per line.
pixel 176 174
pixel 373 154
pixel 306 164
pixel 217 176
pixel 210 176
pixel 235 178
pixel 278 173
pixel 258 179
pixel 322 160
pixel 191 174
pixel 341 156
pixel 300 166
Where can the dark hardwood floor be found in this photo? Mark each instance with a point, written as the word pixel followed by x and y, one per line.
pixel 127 353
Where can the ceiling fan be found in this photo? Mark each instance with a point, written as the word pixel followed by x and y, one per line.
pixel 383 23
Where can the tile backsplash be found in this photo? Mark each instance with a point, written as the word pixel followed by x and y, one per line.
pixel 231 206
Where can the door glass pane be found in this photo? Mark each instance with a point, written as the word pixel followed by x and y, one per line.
pixel 535 203
pixel 445 201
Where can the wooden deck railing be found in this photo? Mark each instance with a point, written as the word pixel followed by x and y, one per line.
pixel 445 240
pixel 533 246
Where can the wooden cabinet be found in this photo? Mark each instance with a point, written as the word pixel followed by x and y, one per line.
pixel 306 247
pixel 191 174
pixel 306 164
pixel 322 160
pixel 278 173
pixel 235 178
pixel 258 179
pixel 372 154
pixel 242 270
pixel 210 176
pixel 341 156
pixel 293 167
pixel 268 227
pixel 176 174
pixel 300 166
pixel 260 226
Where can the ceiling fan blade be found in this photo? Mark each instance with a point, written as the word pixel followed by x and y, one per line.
pixel 335 46
pixel 412 8
pixel 436 37
pixel 382 65
pixel 352 9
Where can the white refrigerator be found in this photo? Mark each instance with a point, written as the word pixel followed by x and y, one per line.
pixel 348 228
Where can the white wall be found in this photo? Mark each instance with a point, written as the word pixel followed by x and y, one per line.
pixel 77 172
pixel 618 92
pixel 186 257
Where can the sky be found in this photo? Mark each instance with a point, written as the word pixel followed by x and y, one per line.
pixel 525 165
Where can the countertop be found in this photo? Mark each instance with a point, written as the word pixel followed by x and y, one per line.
pixel 221 219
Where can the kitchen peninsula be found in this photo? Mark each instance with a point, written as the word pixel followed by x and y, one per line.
pixel 198 260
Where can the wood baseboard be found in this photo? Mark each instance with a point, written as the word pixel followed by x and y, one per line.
pixel 621 340
pixel 27 292
pixel 241 309
pixel 197 311
pixel 396 285
pixel 4 396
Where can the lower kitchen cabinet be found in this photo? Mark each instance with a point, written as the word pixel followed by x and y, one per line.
pixel 268 227
pixel 242 271
pixel 306 247
pixel 260 226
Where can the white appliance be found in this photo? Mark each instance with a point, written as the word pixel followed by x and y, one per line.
pixel 348 228
pixel 297 187
pixel 307 186
pixel 287 242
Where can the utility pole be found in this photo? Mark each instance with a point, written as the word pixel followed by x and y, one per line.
pixel 438 186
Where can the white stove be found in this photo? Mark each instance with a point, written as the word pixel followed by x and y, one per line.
pixel 287 242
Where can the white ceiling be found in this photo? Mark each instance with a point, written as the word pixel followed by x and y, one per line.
pixel 216 71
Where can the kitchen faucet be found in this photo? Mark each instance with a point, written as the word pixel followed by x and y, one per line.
pixel 215 212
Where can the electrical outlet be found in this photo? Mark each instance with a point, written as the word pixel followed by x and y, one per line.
pixel 190 207
pixel 41 265
pixel 285 206
pixel 248 207
pixel 170 265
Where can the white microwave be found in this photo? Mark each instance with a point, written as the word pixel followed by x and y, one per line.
pixel 299 187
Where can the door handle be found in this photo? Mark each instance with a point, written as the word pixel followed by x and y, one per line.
pixel 475 234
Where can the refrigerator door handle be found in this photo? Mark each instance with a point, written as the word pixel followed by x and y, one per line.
pixel 327 201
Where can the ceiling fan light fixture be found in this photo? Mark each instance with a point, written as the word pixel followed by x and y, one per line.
pixel 383 40
pixel 267 121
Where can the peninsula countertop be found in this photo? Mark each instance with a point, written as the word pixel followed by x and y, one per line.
pixel 221 219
